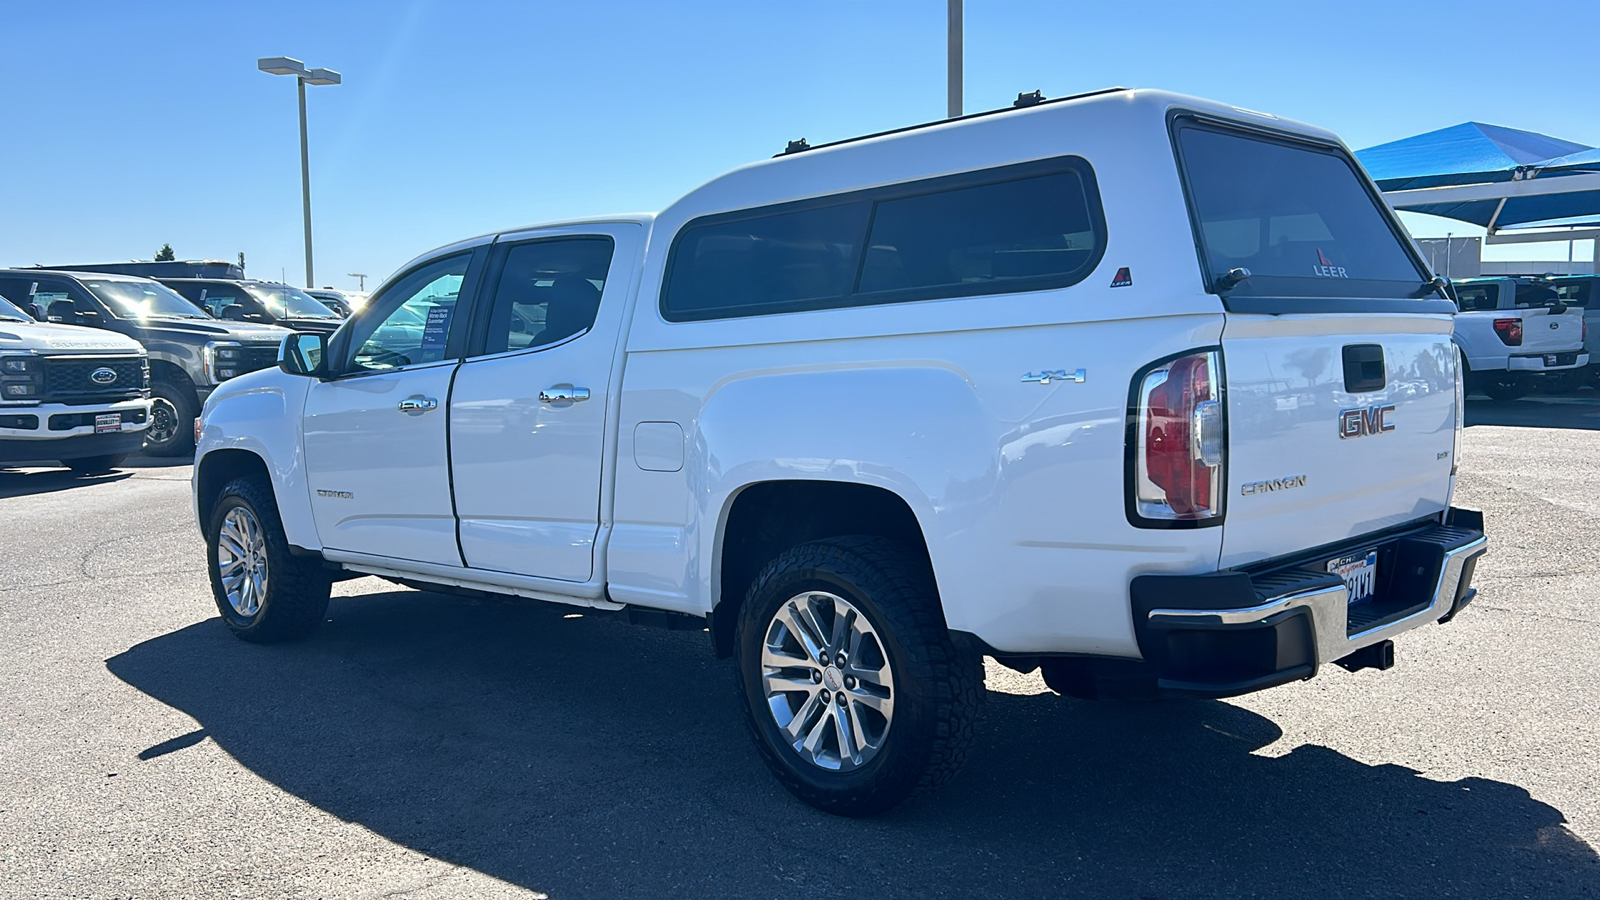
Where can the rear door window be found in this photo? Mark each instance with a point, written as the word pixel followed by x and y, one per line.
pixel 549 290
pixel 1299 217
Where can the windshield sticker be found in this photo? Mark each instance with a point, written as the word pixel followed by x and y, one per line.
pixel 436 328
pixel 1124 278
pixel 1325 267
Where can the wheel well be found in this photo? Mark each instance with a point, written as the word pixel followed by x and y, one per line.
pixel 772 516
pixel 161 370
pixel 219 467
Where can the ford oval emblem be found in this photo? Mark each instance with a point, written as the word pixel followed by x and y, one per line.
pixel 103 375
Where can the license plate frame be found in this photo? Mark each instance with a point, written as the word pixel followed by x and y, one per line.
pixel 1552 359
pixel 107 423
pixel 1359 572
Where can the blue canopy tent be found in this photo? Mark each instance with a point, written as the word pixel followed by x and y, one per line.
pixel 1494 177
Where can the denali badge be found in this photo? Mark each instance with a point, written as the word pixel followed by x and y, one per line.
pixel 103 375
pixel 1276 484
pixel 1354 423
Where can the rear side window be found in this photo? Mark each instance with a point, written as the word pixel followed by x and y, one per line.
pixel 1298 217
pixel 1476 297
pixel 1547 293
pixel 1033 226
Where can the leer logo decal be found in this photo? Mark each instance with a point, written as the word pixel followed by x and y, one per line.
pixel 1325 267
pixel 1354 423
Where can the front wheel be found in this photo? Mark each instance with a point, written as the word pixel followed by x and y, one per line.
pixel 853 689
pixel 264 593
pixel 172 410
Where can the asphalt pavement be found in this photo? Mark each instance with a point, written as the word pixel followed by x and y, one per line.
pixel 431 746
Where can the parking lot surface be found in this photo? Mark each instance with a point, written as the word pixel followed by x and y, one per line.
pixel 423 745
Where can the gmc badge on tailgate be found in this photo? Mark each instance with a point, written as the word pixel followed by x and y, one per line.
pixel 1354 423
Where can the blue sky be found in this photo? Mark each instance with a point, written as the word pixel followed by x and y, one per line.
pixel 132 124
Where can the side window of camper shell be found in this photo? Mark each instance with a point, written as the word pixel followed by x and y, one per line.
pixel 1026 227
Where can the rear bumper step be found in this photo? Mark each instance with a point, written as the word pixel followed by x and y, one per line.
pixel 1242 630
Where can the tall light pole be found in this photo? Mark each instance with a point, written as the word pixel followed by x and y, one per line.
pixel 953 62
pixel 360 275
pixel 283 65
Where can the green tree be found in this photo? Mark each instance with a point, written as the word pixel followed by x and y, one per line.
pixel 165 254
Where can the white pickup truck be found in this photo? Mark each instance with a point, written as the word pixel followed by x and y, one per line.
pixel 1513 337
pixel 1151 393
pixel 77 396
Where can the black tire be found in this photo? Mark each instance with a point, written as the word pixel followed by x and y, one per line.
pixel 95 465
pixel 173 408
pixel 937 687
pixel 1505 386
pixel 295 600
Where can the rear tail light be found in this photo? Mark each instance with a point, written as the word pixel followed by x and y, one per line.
pixel 1179 441
pixel 1461 413
pixel 1510 331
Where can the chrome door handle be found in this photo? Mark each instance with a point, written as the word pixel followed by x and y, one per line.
pixel 563 393
pixel 418 404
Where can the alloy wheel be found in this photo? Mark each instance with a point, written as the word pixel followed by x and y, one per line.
pixel 242 560
pixel 827 681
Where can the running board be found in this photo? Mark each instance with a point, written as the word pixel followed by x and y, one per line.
pixel 587 594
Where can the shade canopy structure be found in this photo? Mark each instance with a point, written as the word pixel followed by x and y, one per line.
pixel 1469 153
pixel 1491 176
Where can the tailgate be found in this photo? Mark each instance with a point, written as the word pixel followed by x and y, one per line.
pixel 1316 456
pixel 1543 332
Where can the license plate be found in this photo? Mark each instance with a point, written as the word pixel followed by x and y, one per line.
pixel 1359 572
pixel 107 422
pixel 1551 359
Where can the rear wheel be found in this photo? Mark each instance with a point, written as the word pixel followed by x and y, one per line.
pixel 853 689
pixel 1505 385
pixel 172 410
pixel 264 593
pixel 95 465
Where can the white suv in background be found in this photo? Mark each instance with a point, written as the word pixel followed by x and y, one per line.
pixel 1148 392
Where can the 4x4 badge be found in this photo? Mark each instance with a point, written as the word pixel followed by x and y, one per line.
pixel 1049 375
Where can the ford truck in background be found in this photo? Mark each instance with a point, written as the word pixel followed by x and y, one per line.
pixel 69 395
pixel 1150 393
pixel 1516 337
pixel 190 353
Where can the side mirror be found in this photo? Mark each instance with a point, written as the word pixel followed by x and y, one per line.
pixel 64 312
pixel 304 354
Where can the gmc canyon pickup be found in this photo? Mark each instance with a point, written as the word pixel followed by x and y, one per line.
pixel 1148 392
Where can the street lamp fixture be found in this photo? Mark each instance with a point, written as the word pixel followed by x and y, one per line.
pixel 284 65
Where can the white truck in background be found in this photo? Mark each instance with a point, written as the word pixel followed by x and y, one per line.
pixel 77 396
pixel 1515 337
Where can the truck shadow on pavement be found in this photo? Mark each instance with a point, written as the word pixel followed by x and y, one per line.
pixel 20 482
pixel 1579 410
pixel 579 756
